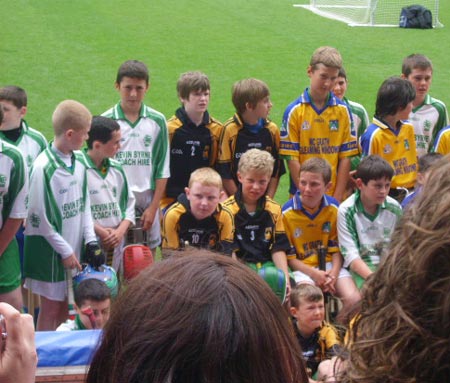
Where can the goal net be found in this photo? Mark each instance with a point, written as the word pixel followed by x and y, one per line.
pixel 382 13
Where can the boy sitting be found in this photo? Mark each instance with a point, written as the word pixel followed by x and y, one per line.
pixel 367 218
pixel 112 202
pixel 249 128
pixel 318 124
pixel 310 221
pixel 198 219
pixel 429 115
pixel 92 304
pixel 193 134
pixel 390 137
pixel 260 236
pixel 319 340
pixel 59 222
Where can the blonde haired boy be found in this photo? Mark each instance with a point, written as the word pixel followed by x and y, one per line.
pixel 318 124
pixel 260 237
pixel 197 218
pixel 310 219
pixel 59 219
pixel 249 128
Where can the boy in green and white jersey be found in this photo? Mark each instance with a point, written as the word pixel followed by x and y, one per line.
pixel 360 118
pixel 367 218
pixel 112 202
pixel 59 219
pixel 14 129
pixel 13 209
pixel 429 115
pixel 144 152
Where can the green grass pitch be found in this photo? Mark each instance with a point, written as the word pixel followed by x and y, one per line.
pixel 57 49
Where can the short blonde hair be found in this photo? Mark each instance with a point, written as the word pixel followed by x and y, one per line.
pixel 327 56
pixel 70 114
pixel 256 160
pixel 307 292
pixel 206 177
pixel 249 90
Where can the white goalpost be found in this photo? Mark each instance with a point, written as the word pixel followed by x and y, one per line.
pixel 375 13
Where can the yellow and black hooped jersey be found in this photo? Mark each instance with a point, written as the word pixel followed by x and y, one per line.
pixel 236 139
pixel 191 147
pixel 257 236
pixel 215 232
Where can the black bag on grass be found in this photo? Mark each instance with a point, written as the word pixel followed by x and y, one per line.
pixel 416 16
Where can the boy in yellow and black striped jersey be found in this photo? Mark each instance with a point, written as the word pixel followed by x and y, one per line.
pixel 249 128
pixel 197 218
pixel 260 236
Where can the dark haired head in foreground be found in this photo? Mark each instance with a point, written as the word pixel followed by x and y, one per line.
pixel 196 318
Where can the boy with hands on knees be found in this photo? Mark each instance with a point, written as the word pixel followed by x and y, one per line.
pixel 367 218
pixel 310 221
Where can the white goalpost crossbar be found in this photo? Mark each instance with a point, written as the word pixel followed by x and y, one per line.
pixel 372 13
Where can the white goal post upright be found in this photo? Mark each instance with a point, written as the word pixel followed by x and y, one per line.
pixel 376 13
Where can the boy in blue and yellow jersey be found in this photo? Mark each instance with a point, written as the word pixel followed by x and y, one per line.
pixel 197 218
pixel 193 134
pixel 390 137
pixel 144 148
pixel 249 128
pixel 310 220
pixel 260 236
pixel 318 124
pixel 429 115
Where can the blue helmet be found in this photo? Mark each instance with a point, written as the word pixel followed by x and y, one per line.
pixel 104 273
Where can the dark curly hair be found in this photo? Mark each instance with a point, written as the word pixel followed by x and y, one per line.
pixel 403 331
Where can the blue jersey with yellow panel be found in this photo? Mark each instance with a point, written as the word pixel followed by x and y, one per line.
pixel 307 132
pixel 398 147
pixel 307 231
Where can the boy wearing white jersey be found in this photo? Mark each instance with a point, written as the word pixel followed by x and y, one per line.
pixel 112 203
pixel 13 209
pixel 360 118
pixel 429 115
pixel 15 131
pixel 144 152
pixel 59 217
pixel 367 218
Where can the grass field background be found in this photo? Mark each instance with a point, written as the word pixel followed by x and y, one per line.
pixel 61 49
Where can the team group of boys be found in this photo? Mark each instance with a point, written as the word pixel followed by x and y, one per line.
pixel 214 184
